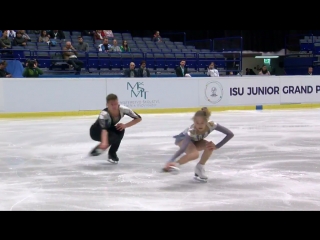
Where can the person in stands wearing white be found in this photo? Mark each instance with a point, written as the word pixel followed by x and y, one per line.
pixel 105 46
pixel 11 34
pixel 264 71
pixel 212 72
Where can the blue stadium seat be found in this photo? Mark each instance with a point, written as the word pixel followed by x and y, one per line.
pixel 127 58
pixel 116 61
pixel 93 60
pixel 160 60
pixel 104 60
pixel 137 58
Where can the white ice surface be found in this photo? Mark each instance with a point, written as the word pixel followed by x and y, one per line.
pixel 272 163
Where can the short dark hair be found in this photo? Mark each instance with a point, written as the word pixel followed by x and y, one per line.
pixel 3 63
pixel 142 62
pixel 112 97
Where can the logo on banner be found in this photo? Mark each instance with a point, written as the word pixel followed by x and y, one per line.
pixel 214 92
pixel 137 90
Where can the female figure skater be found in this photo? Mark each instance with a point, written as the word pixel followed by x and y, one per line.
pixel 108 131
pixel 192 140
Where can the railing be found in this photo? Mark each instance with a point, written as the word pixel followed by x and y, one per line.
pixel 227 44
pixel 201 44
pixel 181 35
pixel 231 47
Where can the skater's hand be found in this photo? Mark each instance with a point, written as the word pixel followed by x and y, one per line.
pixel 120 126
pixel 211 146
pixel 103 146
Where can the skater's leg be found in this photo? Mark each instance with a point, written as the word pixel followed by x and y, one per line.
pixel 200 172
pixel 115 138
pixel 95 134
pixel 191 154
pixel 201 145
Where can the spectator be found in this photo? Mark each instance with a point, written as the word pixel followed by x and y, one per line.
pixel 310 71
pixel 108 33
pixel 212 71
pixel 182 70
pixel 125 47
pixel 19 40
pixel 115 47
pixel 143 71
pixel 157 37
pixel 99 35
pixel 131 72
pixel 34 31
pixel 31 70
pixel 105 46
pixel 25 35
pixel 249 71
pixel 44 37
pixel 3 72
pixel 5 42
pixel 1 33
pixel 57 34
pixel 264 71
pixel 89 33
pixel 82 46
pixel 11 34
pixel 70 55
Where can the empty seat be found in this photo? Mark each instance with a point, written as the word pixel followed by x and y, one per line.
pixel 127 58
pixel 155 50
pixel 135 49
pixel 160 60
pixel 93 60
pixel 138 57
pixel 145 49
pixel 137 39
pixel 165 50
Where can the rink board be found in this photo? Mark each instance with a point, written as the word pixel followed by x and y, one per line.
pixel 83 96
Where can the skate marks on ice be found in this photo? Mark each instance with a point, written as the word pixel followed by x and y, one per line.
pixel 271 164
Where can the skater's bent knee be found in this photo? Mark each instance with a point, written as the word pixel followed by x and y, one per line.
pixel 194 155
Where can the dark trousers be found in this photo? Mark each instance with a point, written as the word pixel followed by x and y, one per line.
pixel 76 63
pixel 114 136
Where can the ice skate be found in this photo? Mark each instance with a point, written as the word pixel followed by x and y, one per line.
pixel 171 168
pixel 97 151
pixel 113 158
pixel 200 173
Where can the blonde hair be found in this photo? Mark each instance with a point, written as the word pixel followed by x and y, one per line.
pixel 204 112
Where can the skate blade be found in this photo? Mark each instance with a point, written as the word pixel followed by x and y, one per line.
pixel 173 170
pixel 200 179
pixel 111 161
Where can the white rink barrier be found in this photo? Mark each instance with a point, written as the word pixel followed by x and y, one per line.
pixel 25 95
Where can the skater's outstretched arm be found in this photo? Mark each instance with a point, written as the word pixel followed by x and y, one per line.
pixel 183 148
pixel 133 122
pixel 227 138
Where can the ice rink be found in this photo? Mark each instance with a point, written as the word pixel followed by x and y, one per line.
pixel 272 163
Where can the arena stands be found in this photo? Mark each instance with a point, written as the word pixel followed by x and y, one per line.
pixel 162 58
pixel 302 52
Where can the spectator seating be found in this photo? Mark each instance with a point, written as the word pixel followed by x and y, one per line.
pixel 297 63
pixel 160 57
